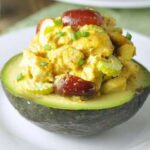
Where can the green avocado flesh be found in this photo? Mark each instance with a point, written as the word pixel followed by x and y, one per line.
pixel 12 69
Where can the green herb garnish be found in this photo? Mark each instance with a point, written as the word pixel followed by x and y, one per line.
pixel 48 29
pixel 78 34
pixel 60 34
pixel 85 34
pixel 81 62
pixel 128 36
pixel 20 76
pixel 43 64
pixel 47 47
pixel 74 36
pixel 58 22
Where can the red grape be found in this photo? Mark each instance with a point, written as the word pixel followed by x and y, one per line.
pixel 38 27
pixel 71 85
pixel 81 17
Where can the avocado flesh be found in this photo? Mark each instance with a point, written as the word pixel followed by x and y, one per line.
pixel 12 68
pixel 62 115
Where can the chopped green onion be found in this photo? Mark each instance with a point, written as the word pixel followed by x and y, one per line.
pixel 81 62
pixel 73 36
pixel 20 76
pixel 78 34
pixel 47 47
pixel 43 64
pixel 48 29
pixel 60 34
pixel 85 34
pixel 58 22
pixel 128 36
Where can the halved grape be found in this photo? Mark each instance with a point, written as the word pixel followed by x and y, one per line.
pixel 50 22
pixel 38 27
pixel 74 86
pixel 46 26
pixel 111 66
pixel 81 17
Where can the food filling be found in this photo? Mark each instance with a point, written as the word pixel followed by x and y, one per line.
pixel 81 53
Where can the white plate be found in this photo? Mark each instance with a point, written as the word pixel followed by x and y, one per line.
pixel 112 3
pixel 16 133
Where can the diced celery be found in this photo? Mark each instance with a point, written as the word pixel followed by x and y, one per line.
pixel 37 87
pixel 58 22
pixel 111 66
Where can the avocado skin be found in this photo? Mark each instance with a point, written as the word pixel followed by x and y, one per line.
pixel 77 122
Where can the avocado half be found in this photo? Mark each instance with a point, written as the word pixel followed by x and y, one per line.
pixel 76 117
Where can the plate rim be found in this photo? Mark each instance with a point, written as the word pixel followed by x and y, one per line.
pixel 29 29
pixel 110 4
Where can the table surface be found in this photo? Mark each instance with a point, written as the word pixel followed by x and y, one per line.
pixel 133 19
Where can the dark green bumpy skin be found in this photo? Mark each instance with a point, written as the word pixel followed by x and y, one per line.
pixel 77 122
